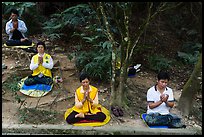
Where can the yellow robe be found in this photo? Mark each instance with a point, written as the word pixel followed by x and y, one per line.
pixel 88 107
pixel 41 69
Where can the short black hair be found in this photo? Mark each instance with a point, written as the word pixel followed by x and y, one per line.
pixel 41 43
pixel 84 76
pixel 14 11
pixel 163 75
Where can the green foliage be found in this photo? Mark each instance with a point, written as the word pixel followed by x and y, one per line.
pixel 92 34
pixel 22 115
pixel 191 47
pixel 158 62
pixel 70 17
pixel 70 56
pixel 190 52
pixel 187 58
pixel 96 59
pixel 191 32
pixel 20 6
pixel 13 87
pixel 97 63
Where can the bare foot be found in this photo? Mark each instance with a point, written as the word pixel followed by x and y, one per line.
pixel 89 114
pixel 24 39
pixel 81 115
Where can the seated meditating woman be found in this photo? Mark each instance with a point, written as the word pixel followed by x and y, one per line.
pixel 16 30
pixel 87 107
pixel 41 65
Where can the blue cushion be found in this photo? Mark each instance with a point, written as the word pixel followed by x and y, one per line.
pixel 42 87
pixel 143 116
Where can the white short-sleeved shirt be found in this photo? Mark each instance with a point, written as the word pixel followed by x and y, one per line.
pixel 153 95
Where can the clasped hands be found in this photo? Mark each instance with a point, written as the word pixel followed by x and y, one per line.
pixel 40 60
pixel 87 97
pixel 164 97
pixel 12 30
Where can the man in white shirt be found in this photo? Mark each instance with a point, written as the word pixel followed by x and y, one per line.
pixel 16 30
pixel 160 100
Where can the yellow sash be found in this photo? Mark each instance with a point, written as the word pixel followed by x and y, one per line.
pixel 41 69
pixel 87 106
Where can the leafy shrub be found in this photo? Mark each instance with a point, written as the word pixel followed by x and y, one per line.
pixel 20 6
pixel 94 57
pixel 188 58
pixel 190 52
pixel 158 62
pixel 93 53
pixel 12 85
pixel 96 62
pixel 68 19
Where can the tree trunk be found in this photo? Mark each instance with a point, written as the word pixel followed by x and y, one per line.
pixel 190 89
pixel 114 94
pixel 113 78
pixel 122 83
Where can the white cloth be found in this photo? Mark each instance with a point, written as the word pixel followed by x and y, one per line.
pixel 33 65
pixel 21 27
pixel 154 96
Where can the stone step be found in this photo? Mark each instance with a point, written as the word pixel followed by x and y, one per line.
pixel 83 130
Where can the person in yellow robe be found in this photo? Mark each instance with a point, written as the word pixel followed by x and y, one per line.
pixel 87 107
pixel 41 65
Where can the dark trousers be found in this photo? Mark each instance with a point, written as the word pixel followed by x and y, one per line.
pixel 16 39
pixel 170 120
pixel 32 80
pixel 94 117
pixel 156 119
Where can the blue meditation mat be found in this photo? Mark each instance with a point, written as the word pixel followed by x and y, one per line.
pixel 43 87
pixel 37 90
pixel 143 116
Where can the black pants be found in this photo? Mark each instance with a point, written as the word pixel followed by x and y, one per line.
pixel 16 39
pixel 100 116
pixel 170 120
pixel 32 80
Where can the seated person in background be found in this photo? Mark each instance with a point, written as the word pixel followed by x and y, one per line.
pixel 41 65
pixel 86 103
pixel 160 100
pixel 16 28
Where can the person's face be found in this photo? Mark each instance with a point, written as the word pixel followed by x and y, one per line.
pixel 162 83
pixel 85 83
pixel 14 16
pixel 40 49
